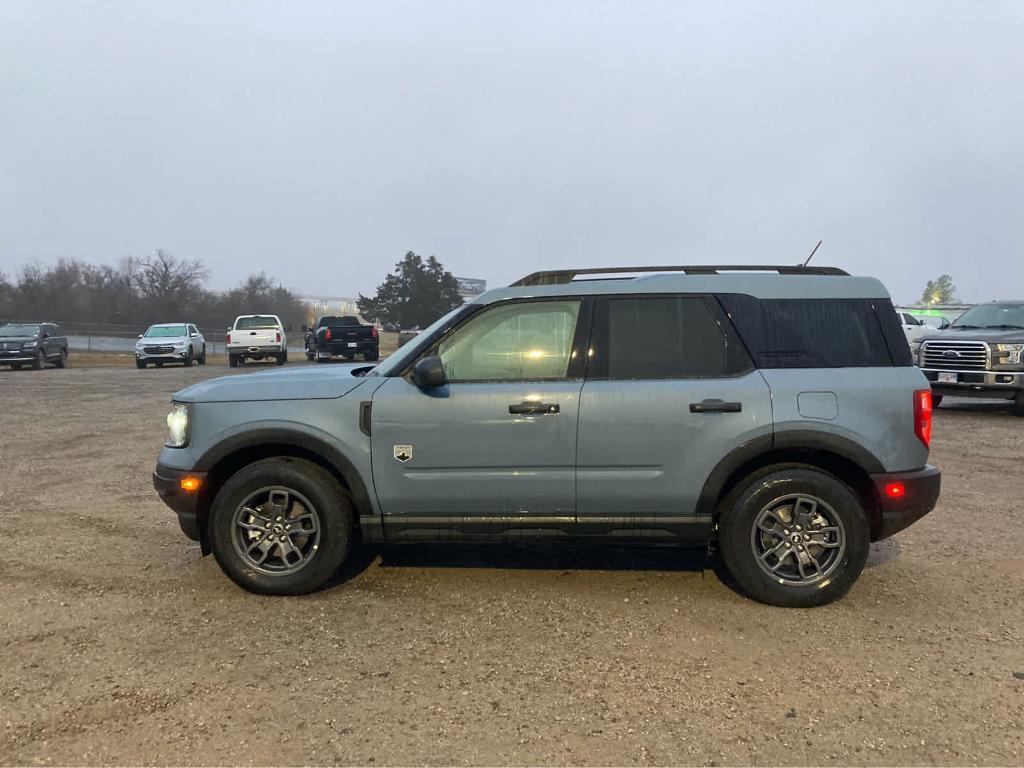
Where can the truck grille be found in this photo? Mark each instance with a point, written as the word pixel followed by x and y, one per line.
pixel 163 349
pixel 955 355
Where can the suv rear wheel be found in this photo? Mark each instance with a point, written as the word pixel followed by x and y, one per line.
pixel 794 537
pixel 281 526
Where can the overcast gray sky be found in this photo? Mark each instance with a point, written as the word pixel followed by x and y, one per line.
pixel 320 141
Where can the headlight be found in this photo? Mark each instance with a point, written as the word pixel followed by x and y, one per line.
pixel 180 344
pixel 1009 354
pixel 177 426
pixel 30 344
pixel 915 352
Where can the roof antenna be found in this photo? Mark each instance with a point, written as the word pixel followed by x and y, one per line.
pixel 812 253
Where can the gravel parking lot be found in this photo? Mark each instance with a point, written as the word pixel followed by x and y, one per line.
pixel 122 645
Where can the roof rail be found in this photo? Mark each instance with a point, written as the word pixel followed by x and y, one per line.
pixel 559 276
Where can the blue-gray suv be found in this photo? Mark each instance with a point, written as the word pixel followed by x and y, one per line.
pixel 773 413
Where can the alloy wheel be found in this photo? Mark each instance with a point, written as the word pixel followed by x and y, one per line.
pixel 276 531
pixel 798 540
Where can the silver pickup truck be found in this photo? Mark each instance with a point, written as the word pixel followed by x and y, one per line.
pixel 773 413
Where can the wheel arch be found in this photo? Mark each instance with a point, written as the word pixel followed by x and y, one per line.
pixel 838 456
pixel 233 453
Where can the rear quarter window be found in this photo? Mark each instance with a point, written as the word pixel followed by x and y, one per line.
pixel 819 333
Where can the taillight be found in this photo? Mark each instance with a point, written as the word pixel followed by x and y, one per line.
pixel 278 335
pixel 923 416
pixel 373 333
pixel 229 338
pixel 327 334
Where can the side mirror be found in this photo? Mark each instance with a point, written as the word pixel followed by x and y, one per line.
pixel 428 373
pixel 305 328
pixel 140 335
pixel 194 335
pixel 944 324
pixel 46 335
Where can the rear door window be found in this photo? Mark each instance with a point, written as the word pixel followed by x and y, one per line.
pixel 663 337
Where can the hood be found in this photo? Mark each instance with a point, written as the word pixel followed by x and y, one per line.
pixel 976 334
pixel 319 382
pixel 17 339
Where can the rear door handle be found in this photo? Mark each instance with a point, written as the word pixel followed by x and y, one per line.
pixel 533 409
pixel 715 406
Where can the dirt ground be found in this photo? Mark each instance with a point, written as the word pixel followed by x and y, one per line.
pixel 121 644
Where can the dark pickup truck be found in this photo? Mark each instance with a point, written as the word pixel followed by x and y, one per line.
pixel 341 336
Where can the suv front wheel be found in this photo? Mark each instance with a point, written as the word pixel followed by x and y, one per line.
pixel 794 537
pixel 281 526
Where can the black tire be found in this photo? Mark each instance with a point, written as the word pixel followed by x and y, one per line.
pixel 39 360
pixel 201 360
pixel 140 364
pixel 189 358
pixel 371 357
pixel 742 509
pixel 333 509
pixel 310 355
pixel 16 367
pixel 281 358
pixel 62 359
pixel 159 364
pixel 936 401
pixel 1018 404
pixel 233 360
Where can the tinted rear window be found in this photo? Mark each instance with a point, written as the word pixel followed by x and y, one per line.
pixel 819 333
pixel 660 337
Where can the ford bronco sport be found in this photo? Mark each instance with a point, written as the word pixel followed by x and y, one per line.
pixel 773 412
pixel 979 355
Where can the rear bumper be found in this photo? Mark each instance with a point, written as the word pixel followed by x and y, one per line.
pixel 184 504
pixel 335 348
pixel 920 495
pixel 258 349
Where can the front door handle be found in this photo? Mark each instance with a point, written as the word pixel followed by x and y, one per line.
pixel 533 409
pixel 715 406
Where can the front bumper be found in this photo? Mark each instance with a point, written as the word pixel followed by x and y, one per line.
pixel 185 504
pixel 170 357
pixel 920 495
pixel 976 383
pixel 16 357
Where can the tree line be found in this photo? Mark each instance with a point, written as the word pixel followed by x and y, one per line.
pixel 139 291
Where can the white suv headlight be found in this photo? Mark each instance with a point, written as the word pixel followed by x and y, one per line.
pixel 177 426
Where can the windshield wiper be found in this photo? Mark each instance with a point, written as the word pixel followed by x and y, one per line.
pixel 966 327
pixel 1005 327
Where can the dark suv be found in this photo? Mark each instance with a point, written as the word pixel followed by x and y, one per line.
pixel 33 344
pixel 771 411
pixel 980 355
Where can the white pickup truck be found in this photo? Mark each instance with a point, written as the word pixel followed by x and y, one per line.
pixel 255 337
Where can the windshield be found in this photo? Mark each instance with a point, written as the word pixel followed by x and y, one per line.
pixel 398 360
pixel 19 330
pixel 256 322
pixel 992 316
pixel 165 331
